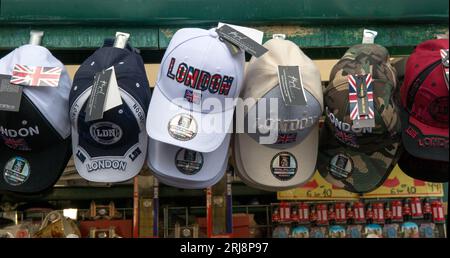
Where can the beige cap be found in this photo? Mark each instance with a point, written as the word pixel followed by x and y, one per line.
pixel 292 160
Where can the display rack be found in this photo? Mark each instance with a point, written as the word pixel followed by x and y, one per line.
pixel 73 29
pixel 324 29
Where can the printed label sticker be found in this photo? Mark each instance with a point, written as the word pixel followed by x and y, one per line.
pixel 188 162
pixel 183 127
pixel 284 166
pixel 16 171
pixel 341 166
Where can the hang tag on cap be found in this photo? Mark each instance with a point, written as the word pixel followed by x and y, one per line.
pixel 291 85
pixel 232 47
pixel 105 95
pixel 445 63
pixel 10 94
pixel 254 34
pixel 113 98
pixel 442 36
pixel 369 36
pixel 241 40
pixel 360 88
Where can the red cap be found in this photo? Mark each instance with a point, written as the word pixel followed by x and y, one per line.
pixel 424 101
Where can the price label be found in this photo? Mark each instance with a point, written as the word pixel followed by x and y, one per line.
pixel 398 184
pixel 317 189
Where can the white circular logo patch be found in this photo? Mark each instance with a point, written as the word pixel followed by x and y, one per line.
pixel 183 127
pixel 284 166
pixel 341 166
pixel 105 133
pixel 188 162
pixel 16 171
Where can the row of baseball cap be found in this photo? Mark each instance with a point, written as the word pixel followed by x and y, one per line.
pixel 185 141
pixel 406 102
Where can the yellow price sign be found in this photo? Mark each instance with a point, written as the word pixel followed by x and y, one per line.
pixel 398 184
pixel 317 188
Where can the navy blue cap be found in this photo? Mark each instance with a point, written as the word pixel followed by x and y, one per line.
pixel 112 149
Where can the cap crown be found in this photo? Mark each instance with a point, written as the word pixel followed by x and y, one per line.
pixel 111 149
pixel 295 122
pixel 197 66
pixel 424 93
pixel 118 130
pixel 363 59
pixel 43 116
pixel 50 101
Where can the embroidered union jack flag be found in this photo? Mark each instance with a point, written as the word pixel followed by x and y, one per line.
pixel 357 84
pixel 192 96
pixel 286 138
pixel 445 62
pixel 16 144
pixel 346 138
pixel 27 75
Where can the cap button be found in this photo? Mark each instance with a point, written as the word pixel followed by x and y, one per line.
pixel 213 33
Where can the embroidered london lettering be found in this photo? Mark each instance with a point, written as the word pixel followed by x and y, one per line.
pixel 427 141
pixel 434 142
pixel 22 132
pixel 346 127
pixel 139 112
pixel 106 164
pixel 288 125
pixel 198 79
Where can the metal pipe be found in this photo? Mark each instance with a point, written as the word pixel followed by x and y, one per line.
pixel 121 39
pixel 36 37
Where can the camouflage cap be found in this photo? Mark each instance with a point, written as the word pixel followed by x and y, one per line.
pixel 360 159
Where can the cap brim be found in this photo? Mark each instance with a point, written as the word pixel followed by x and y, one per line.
pixel 192 185
pixel 244 177
pixel 368 171
pixel 187 184
pixel 422 169
pixel 112 168
pixel 109 169
pixel 208 137
pixel 162 156
pixel 45 166
pixel 258 158
pixel 102 170
pixel 439 153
